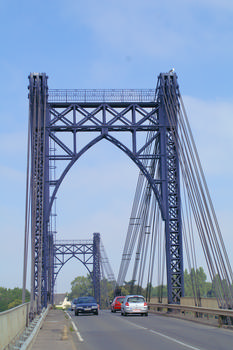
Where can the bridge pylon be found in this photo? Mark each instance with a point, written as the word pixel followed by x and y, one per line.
pixel 170 174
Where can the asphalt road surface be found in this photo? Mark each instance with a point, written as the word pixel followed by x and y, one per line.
pixel 109 331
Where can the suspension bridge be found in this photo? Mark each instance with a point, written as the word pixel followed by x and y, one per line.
pixel 172 208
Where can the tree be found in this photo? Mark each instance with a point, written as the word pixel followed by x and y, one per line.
pixel 15 303
pixel 221 289
pixel 11 297
pixel 195 283
pixel 81 286
pixel 106 292
pixel 158 291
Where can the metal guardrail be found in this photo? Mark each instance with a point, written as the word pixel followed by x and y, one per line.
pixel 101 95
pixel 73 242
pixel 198 310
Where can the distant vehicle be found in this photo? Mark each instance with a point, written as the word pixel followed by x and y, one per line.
pixel 134 304
pixel 86 305
pixel 116 304
pixel 73 303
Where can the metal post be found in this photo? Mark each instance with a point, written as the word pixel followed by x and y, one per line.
pixel 96 266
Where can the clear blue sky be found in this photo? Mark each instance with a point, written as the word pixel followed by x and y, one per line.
pixel 111 44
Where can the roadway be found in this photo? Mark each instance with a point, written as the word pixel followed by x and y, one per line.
pixel 109 331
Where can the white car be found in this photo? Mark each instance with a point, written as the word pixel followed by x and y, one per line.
pixel 134 304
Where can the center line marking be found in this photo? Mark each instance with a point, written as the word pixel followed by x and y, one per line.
pixel 174 340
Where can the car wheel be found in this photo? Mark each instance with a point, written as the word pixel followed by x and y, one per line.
pixel 76 313
pixel 125 314
pixel 146 314
pixel 113 310
pixel 96 312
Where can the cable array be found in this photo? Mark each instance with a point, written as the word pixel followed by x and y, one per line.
pixel 198 215
pixel 108 279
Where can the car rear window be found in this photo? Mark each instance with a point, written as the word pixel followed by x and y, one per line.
pixel 120 300
pixel 136 300
pixel 84 300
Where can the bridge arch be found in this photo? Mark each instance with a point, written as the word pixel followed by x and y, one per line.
pixel 71 257
pixel 122 147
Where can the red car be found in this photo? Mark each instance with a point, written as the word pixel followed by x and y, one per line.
pixel 116 304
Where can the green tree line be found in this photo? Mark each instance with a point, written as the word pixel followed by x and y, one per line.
pixel 82 286
pixel 10 298
pixel 194 282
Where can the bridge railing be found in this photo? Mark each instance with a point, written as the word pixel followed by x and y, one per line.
pixel 103 95
pixel 197 311
pixel 12 323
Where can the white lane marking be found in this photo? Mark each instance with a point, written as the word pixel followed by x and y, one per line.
pixel 75 328
pixel 136 325
pixel 174 340
pixel 164 336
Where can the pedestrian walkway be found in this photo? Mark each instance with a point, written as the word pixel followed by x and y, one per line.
pixel 55 333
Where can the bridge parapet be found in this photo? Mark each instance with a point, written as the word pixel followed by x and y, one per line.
pixel 12 323
pixel 211 303
pixel 208 311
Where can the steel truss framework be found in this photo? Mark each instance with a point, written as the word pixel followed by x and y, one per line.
pixel 61 117
pixel 87 252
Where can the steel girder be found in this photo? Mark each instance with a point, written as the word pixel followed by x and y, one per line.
pixel 101 118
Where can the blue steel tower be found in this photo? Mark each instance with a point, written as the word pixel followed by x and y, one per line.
pixel 39 190
pixel 170 191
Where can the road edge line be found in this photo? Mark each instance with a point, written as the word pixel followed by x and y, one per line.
pixel 75 328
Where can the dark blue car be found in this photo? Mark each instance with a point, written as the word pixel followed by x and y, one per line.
pixel 86 305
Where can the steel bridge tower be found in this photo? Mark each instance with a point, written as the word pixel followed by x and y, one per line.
pixel 103 114
pixel 87 252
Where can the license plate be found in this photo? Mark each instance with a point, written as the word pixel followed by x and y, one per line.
pixel 87 309
pixel 136 310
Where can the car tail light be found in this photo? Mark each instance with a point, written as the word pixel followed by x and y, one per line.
pixel 127 304
pixel 145 304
